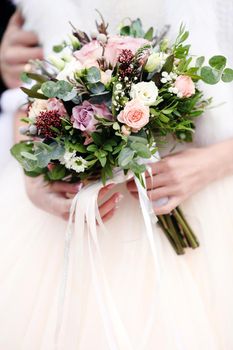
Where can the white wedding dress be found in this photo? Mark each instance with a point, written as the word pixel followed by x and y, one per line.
pixel 189 306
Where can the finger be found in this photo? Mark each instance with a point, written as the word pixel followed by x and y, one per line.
pixel 157 168
pixel 159 193
pixel 23 54
pixel 157 181
pixel 131 186
pixel 110 204
pixel 24 38
pixel 16 19
pixel 109 215
pixel 104 191
pixel 60 205
pixel 65 187
pixel 167 209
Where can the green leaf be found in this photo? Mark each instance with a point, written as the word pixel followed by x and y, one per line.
pixel 25 148
pixel 210 76
pixel 97 138
pixel 33 94
pixel 125 31
pixel 96 88
pixel 49 89
pixel 163 118
pixel 138 139
pixel 199 61
pixel 141 149
pixel 93 75
pixel 168 66
pixel 116 126
pixel 137 168
pixel 58 172
pixel 136 29
pixel 218 62
pixel 37 77
pixel 28 156
pixel 149 34
pixel 125 156
pixel 92 148
pixel 227 76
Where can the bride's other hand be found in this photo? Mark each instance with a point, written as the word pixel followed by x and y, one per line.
pixel 17 48
pixel 55 198
pixel 179 176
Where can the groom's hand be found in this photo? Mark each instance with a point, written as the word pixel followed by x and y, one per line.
pixel 17 48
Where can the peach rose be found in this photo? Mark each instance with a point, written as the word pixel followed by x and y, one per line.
pixel 135 115
pixel 89 54
pixel 185 86
pixel 118 43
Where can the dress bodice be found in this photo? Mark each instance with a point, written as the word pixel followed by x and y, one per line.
pixel 210 34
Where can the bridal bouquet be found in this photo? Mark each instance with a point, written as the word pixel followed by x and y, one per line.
pixel 103 103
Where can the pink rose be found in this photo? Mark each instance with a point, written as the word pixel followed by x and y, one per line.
pixel 118 43
pixel 56 105
pixel 185 86
pixel 89 54
pixel 135 115
pixel 83 116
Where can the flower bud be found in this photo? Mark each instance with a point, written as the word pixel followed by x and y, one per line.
pixel 23 130
pixel 57 62
pixel 155 62
pixel 32 129
pixel 125 130
pixel 102 38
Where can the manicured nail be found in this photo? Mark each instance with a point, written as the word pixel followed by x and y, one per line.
pixel 118 199
pixel 110 186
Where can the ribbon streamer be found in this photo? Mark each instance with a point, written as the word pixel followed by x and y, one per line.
pixel 85 210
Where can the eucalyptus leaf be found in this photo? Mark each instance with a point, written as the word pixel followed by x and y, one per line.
pixel 49 89
pixel 93 75
pixel 210 76
pixel 141 149
pixel 227 76
pixel 218 62
pixel 125 156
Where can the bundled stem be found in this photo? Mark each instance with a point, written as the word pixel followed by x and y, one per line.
pixel 178 231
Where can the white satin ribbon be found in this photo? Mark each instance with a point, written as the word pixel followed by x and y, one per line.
pixel 85 209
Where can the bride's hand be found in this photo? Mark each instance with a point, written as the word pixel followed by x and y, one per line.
pixel 179 176
pixel 55 198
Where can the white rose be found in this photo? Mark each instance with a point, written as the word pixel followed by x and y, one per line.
pixel 69 70
pixel 146 92
pixel 155 62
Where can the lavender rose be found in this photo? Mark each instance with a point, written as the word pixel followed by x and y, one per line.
pixel 83 116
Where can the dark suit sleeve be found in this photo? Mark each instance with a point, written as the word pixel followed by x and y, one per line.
pixel 6 11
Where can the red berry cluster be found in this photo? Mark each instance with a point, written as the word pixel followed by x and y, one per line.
pixel 45 121
pixel 125 59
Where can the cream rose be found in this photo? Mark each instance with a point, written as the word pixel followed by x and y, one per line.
pixel 135 115
pixel 146 92
pixel 185 86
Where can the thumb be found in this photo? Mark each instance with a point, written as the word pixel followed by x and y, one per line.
pixel 17 19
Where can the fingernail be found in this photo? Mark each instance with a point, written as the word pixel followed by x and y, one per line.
pixel 118 199
pixel 110 186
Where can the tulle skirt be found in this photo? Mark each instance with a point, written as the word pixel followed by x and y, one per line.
pixel 191 310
